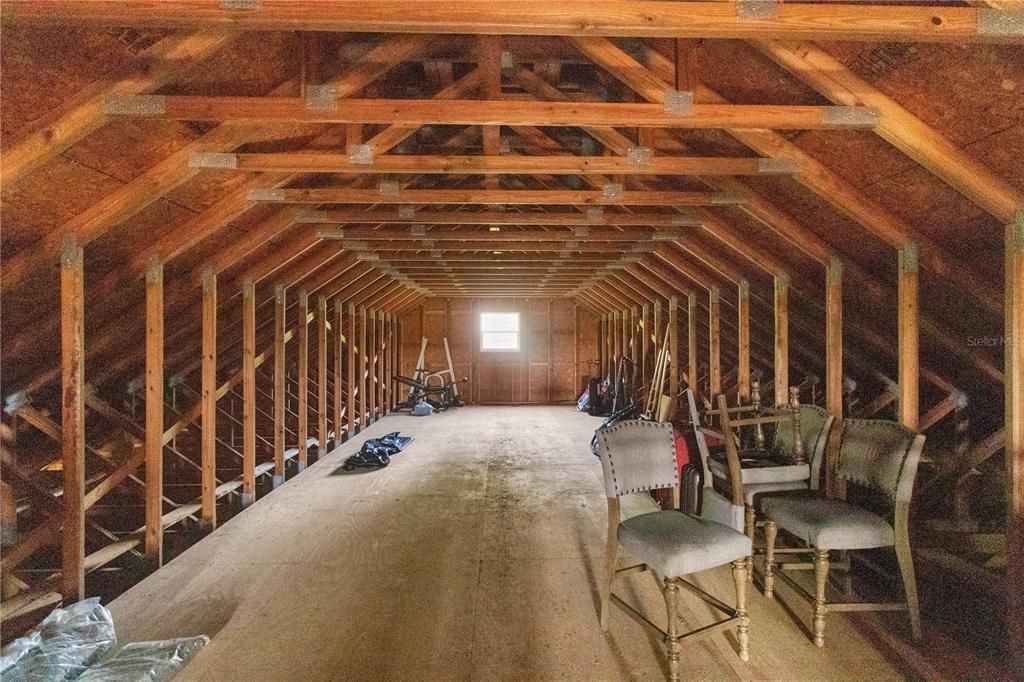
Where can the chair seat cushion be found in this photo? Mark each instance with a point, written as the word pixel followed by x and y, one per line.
pixel 828 524
pixel 752 490
pixel 677 544
pixel 764 474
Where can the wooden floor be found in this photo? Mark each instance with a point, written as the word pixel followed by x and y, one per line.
pixel 474 556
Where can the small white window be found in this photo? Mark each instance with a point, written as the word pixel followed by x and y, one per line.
pixel 499 331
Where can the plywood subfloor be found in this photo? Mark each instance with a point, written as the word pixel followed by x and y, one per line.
pixel 474 556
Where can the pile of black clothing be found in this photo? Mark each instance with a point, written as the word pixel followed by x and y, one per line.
pixel 376 452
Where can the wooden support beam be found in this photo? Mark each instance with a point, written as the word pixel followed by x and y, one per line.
pixel 898 126
pixel 908 332
pixel 154 412
pixel 493 113
pixel 1014 387
pixel 691 340
pixel 834 369
pixel 248 393
pixel 345 216
pixel 363 369
pixel 714 343
pixel 60 128
pixel 380 350
pixel 743 341
pixel 280 382
pixel 72 353
pixel 340 341
pixel 487 197
pixel 302 388
pixel 208 396
pixel 781 338
pixel 321 366
pixel 789 21
pixel 673 348
pixel 491 164
pixel 452 236
pixel 350 371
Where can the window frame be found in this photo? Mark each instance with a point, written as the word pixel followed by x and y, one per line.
pixel 518 332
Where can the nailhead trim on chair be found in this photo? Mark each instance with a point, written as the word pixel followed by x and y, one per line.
pixel 880 425
pixel 611 461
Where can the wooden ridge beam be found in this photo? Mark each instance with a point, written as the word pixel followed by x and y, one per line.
pixel 419 112
pixel 487 197
pixel 865 22
pixel 561 164
pixel 458 218
pixel 500 248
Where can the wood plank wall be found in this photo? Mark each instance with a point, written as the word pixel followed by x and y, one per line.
pixel 558 348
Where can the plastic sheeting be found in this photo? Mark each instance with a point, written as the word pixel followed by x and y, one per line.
pixel 146 661
pixel 67 642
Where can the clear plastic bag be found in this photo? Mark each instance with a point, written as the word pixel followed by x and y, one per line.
pixel 146 661
pixel 67 642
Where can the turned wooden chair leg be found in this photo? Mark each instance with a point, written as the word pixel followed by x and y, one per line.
pixel 750 526
pixel 611 556
pixel 739 576
pixel 672 645
pixel 771 531
pixel 906 562
pixel 820 581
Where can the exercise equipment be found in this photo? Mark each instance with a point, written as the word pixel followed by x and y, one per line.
pixel 440 389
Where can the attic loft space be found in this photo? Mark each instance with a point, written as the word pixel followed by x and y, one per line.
pixel 246 242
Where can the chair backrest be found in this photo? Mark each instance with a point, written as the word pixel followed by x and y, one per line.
pixel 698 435
pixel 815 425
pixel 726 509
pixel 637 455
pixel 881 455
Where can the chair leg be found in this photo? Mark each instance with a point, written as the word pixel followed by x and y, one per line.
pixel 750 525
pixel 739 576
pixel 820 580
pixel 906 562
pixel 611 557
pixel 672 646
pixel 771 531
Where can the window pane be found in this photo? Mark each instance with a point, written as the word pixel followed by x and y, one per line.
pixel 499 322
pixel 501 340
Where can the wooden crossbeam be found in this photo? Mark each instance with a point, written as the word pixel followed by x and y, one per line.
pixel 420 112
pixel 487 197
pixel 536 218
pixel 499 236
pixel 871 22
pixel 562 164
pixel 501 247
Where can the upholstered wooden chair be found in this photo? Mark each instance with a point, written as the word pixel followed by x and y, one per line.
pixel 638 456
pixel 878 455
pixel 783 476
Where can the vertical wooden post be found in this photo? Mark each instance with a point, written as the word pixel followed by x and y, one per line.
pixel 673 347
pixel 626 333
pixel 339 350
pixel 908 344
pixel 208 396
pixel 389 367
pixel 321 368
pixel 248 393
pixel 691 339
pixel 645 340
pixel 372 366
pixel 154 411
pixel 714 342
pixel 743 342
pixel 833 367
pixel 1014 386
pixel 616 341
pixel 659 325
pixel 302 407
pixel 364 406
pixel 381 353
pixel 781 338
pixel 350 371
pixel 279 384
pixel 72 363
pixel 600 345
